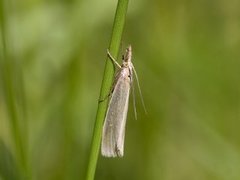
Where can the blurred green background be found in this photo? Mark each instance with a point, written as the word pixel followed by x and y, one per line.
pixel 187 55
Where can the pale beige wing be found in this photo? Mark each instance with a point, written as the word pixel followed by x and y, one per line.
pixel 115 120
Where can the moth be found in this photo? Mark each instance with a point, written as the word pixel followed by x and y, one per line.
pixel 115 120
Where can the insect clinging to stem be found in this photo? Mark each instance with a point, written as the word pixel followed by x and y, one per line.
pixel 115 120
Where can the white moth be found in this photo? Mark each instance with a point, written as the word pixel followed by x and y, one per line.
pixel 115 120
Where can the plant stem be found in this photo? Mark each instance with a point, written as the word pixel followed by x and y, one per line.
pixel 13 93
pixel 116 37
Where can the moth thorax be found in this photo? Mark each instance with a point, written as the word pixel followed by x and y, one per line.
pixel 126 64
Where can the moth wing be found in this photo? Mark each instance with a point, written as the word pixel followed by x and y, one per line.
pixel 115 120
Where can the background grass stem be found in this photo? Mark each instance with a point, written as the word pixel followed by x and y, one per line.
pixel 12 86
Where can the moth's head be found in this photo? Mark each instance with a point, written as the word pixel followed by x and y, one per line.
pixel 128 54
pixel 129 48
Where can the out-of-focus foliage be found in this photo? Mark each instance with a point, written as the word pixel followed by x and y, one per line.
pixel 187 55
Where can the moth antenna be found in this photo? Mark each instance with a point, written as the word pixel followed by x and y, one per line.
pixel 139 89
pixel 134 100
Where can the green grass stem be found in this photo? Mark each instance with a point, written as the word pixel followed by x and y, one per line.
pixel 11 79
pixel 108 76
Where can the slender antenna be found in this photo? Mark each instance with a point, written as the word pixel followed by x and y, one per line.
pixel 140 92
pixel 112 58
pixel 134 100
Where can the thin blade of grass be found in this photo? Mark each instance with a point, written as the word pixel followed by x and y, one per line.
pixel 115 42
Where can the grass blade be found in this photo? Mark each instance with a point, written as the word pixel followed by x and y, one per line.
pixel 114 46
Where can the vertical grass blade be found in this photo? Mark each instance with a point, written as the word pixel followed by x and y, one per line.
pixel 12 87
pixel 115 42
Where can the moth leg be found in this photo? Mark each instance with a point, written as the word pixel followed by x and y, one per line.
pixel 112 58
pixel 101 100
pixel 106 97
